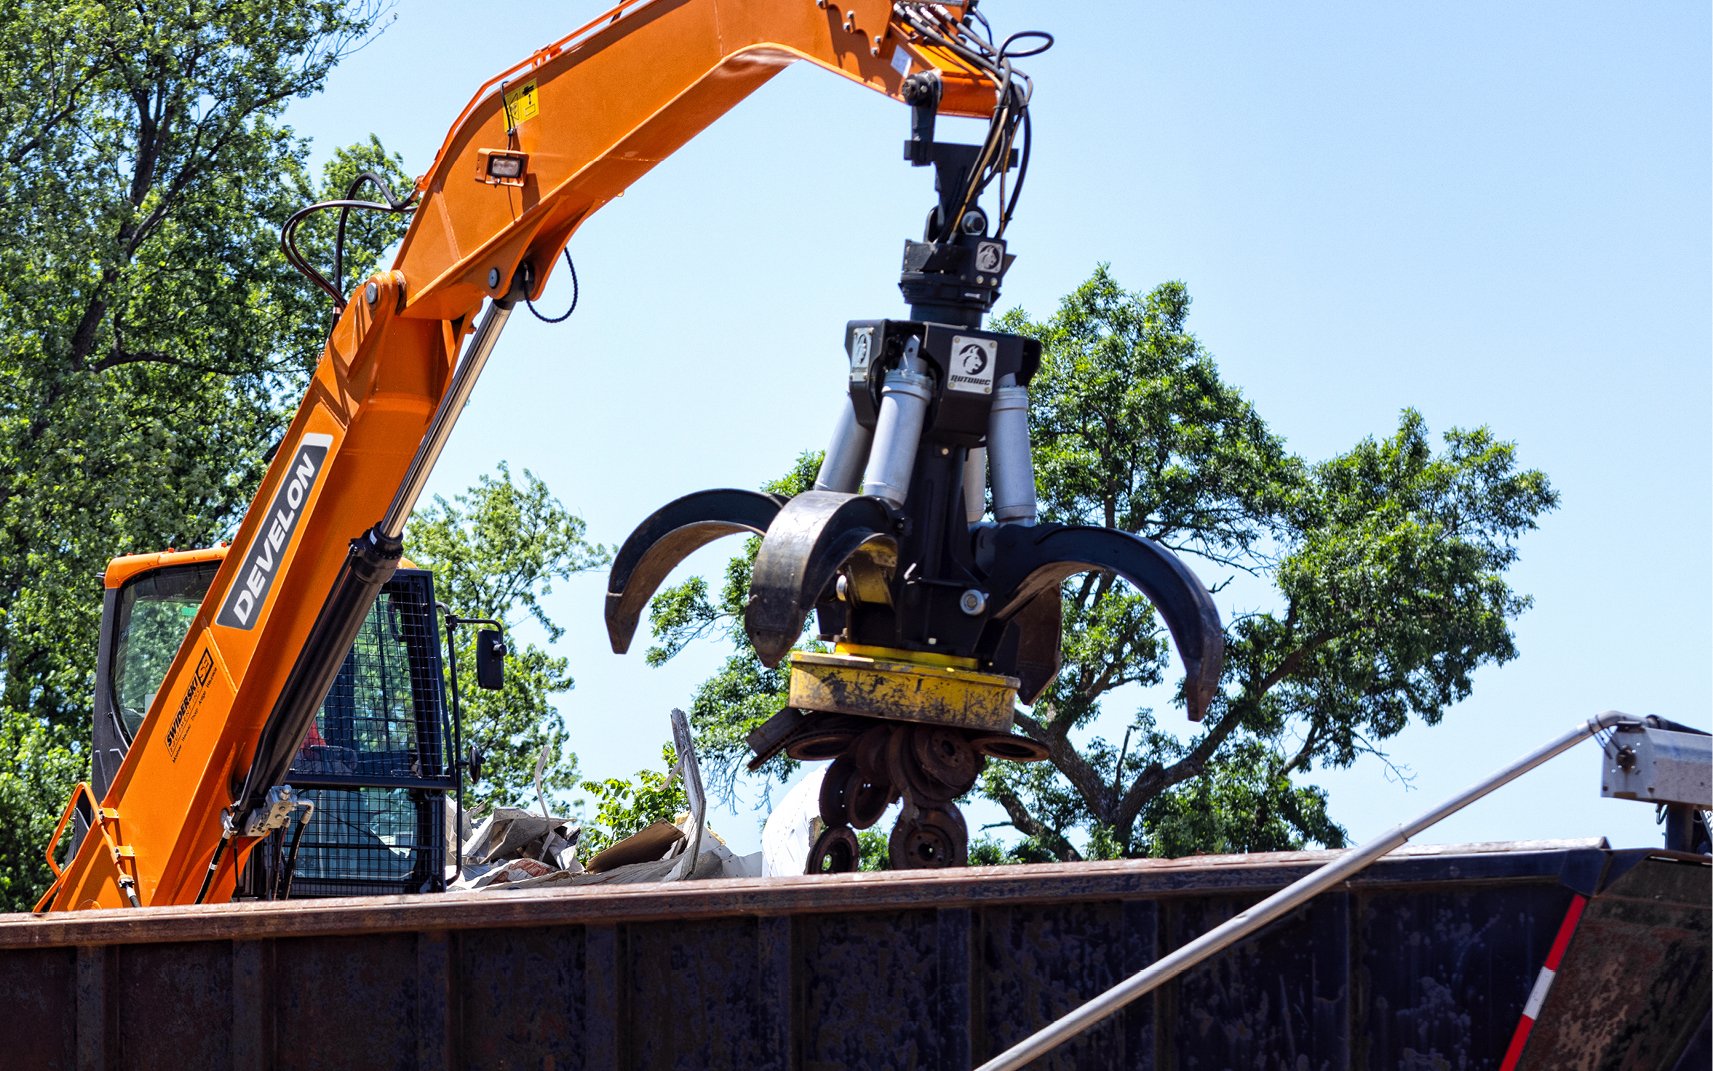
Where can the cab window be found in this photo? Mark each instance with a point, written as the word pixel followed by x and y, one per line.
pixel 154 613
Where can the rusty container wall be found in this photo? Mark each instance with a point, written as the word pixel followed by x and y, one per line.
pixel 1427 960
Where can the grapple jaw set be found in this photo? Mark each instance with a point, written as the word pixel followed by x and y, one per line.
pixel 940 620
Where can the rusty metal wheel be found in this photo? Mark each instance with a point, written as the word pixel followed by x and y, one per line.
pixel 870 751
pixel 1009 746
pixel 835 852
pixel 834 810
pixel 906 772
pixel 945 757
pixel 928 839
pixel 850 794
pixel 815 746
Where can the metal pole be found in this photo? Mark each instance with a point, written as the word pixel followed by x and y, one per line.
pixel 1280 903
pixel 452 622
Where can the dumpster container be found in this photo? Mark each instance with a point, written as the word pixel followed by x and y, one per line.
pixel 1429 959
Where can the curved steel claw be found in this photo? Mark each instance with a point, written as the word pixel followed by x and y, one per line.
pixel 805 545
pixel 1030 649
pixel 1030 561
pixel 669 535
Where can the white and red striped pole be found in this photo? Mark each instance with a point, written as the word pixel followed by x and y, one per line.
pixel 1543 982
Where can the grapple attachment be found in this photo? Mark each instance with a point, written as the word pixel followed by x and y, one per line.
pixel 940 620
pixel 815 536
pixel 669 535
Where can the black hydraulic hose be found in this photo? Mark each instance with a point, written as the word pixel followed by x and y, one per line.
pixel 288 242
pixel 1011 110
pixel 1010 203
pixel 213 865
pixel 288 231
pixel 289 870
pixel 576 292
pixel 394 204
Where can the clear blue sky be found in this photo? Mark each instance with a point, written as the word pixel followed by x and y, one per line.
pixel 1497 214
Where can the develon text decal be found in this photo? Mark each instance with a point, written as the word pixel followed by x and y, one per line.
pixel 249 592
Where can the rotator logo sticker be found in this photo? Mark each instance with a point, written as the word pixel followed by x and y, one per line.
pixel 989 256
pixel 972 364
pixel 973 359
pixel 862 343
pixel 249 590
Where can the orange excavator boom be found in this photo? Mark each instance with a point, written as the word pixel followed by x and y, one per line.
pixel 539 149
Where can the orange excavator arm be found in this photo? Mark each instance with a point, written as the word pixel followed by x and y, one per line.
pixel 539 149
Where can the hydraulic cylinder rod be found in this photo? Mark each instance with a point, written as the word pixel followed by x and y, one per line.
pixel 1009 457
pixel 898 429
pixel 446 415
pixel 1281 903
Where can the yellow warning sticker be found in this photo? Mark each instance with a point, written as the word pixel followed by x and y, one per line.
pixel 522 103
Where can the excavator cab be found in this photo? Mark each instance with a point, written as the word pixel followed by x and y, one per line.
pixel 377 765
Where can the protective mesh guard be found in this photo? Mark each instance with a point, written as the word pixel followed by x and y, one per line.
pixel 375 764
pixel 361 841
pixel 383 717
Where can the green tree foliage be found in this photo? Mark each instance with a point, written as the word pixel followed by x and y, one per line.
pixel 1387 564
pixel 495 551
pixel 152 338
pixel 1385 568
pixel 625 807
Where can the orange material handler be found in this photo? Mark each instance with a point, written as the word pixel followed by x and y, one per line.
pixel 537 150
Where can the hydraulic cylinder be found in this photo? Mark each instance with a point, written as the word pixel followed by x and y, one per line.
pixel 904 402
pixel 975 484
pixel 847 454
pixel 1011 466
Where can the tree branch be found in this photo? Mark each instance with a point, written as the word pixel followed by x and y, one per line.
pixel 1030 826
pixel 1070 762
pixel 1157 780
pixel 1301 758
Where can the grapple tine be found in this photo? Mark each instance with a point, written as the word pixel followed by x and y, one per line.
pixel 811 537
pixel 669 535
pixel 1035 633
pixel 1035 562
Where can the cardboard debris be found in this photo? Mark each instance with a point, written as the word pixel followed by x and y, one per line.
pixel 659 841
pixel 511 833
pixel 515 848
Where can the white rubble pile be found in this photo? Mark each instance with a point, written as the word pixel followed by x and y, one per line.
pixel 518 849
pixel 791 829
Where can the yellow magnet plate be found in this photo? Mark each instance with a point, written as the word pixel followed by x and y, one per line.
pixel 902 691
